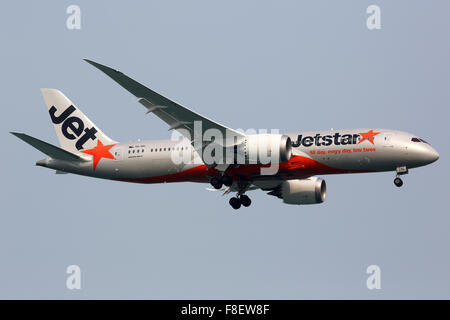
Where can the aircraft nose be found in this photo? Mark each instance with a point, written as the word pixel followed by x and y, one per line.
pixel 428 155
pixel 421 154
pixel 432 155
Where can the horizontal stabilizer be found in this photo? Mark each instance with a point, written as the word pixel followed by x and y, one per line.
pixel 47 148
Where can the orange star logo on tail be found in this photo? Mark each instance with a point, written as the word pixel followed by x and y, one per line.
pixel 368 136
pixel 99 151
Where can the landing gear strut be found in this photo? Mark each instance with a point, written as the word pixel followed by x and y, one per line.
pixel 400 170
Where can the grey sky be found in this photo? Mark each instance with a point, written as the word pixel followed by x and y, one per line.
pixel 290 65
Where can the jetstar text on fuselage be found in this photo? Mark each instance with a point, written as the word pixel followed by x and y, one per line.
pixel 326 140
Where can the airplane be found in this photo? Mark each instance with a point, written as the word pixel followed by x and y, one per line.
pixel 297 158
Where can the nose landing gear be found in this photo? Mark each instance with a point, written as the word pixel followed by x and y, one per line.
pixel 398 182
pixel 400 171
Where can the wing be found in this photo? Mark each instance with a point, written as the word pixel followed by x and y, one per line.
pixel 172 113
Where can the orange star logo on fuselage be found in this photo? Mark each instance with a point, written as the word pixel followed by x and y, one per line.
pixel 368 136
pixel 99 151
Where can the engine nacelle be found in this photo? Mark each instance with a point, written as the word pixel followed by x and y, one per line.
pixel 304 191
pixel 267 148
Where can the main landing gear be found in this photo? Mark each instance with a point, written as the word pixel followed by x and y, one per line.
pixel 400 171
pixel 218 182
pixel 239 200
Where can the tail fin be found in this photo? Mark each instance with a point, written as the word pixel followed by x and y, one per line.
pixel 74 130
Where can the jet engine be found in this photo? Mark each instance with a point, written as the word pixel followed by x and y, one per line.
pixel 302 191
pixel 266 148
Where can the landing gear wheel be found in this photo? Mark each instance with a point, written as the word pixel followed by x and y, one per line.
pixel 398 182
pixel 227 181
pixel 235 203
pixel 245 200
pixel 216 183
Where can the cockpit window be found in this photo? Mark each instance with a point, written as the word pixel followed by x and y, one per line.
pixel 418 140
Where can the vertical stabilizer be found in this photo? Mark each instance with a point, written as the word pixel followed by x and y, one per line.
pixel 74 130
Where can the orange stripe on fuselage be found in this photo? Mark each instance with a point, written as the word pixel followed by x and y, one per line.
pixel 297 167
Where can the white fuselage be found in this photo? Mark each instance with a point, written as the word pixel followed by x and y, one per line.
pixel 318 152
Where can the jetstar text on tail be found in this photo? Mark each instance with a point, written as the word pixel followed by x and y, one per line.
pixel 74 124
